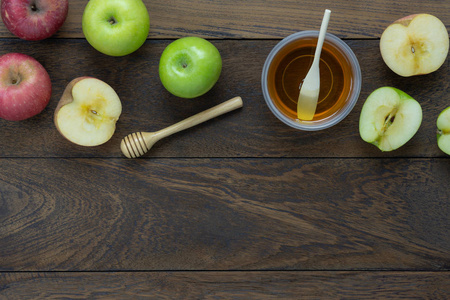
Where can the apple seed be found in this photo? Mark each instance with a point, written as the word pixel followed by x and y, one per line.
pixel 389 120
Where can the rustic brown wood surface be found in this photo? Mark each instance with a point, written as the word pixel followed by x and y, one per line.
pixel 241 206
pixel 227 285
pixel 222 214
pixel 255 19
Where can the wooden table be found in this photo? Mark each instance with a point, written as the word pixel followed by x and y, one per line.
pixel 241 206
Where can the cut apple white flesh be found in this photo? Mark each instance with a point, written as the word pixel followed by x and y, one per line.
pixel 414 45
pixel 88 111
pixel 443 135
pixel 389 118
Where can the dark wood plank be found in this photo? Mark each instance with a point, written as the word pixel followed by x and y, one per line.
pixel 226 285
pixel 249 132
pixel 224 214
pixel 264 19
pixel 241 206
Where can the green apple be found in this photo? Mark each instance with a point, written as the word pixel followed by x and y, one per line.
pixel 189 67
pixel 443 135
pixel 116 27
pixel 389 118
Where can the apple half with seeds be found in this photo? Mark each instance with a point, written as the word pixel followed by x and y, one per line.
pixel 414 45
pixel 87 112
pixel 389 118
pixel 443 135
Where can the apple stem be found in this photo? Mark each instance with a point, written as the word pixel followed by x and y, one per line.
pixel 33 7
pixel 112 21
pixel 16 80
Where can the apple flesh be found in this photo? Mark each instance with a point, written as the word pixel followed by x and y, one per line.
pixel 116 27
pixel 25 87
pixel 87 112
pixel 415 45
pixel 189 67
pixel 443 134
pixel 389 118
pixel 34 19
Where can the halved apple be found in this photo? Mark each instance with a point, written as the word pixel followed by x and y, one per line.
pixel 88 111
pixel 389 118
pixel 414 45
pixel 443 135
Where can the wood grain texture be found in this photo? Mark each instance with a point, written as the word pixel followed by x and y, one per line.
pixel 249 132
pixel 224 214
pixel 226 285
pixel 241 206
pixel 264 19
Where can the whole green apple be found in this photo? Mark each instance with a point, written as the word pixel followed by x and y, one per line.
pixel 116 27
pixel 189 67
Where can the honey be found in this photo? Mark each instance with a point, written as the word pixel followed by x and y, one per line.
pixel 290 66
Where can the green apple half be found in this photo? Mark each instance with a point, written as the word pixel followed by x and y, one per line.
pixel 389 118
pixel 189 67
pixel 87 112
pixel 443 135
pixel 116 27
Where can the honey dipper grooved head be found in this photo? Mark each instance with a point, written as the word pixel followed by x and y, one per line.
pixel 133 145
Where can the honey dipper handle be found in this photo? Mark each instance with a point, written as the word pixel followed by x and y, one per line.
pixel 201 117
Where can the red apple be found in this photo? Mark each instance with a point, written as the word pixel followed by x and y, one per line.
pixel 25 87
pixel 414 45
pixel 34 19
pixel 88 111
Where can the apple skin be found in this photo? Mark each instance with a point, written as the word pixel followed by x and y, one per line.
pixel 116 27
pixel 87 112
pixel 443 134
pixel 25 87
pixel 34 20
pixel 189 67
pixel 389 118
pixel 417 44
pixel 67 97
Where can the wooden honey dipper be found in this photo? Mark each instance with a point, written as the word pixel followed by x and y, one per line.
pixel 138 143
